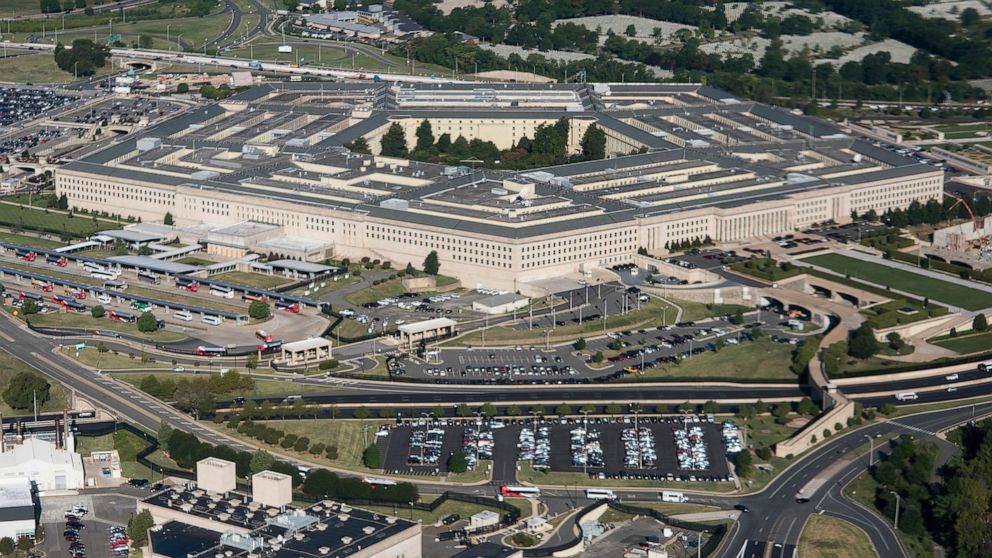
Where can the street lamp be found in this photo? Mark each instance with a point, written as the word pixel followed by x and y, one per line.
pixel 167 33
pixel 898 499
pixel 871 451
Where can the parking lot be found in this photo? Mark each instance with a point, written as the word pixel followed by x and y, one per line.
pixel 24 104
pixel 116 111
pixel 606 448
pixel 104 511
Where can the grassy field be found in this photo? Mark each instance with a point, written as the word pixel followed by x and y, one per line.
pixel 193 260
pixel 329 286
pixel 19 7
pixel 263 388
pixel 965 344
pixel 268 51
pixel 373 293
pixel 914 283
pixel 109 361
pixel 258 280
pixel 32 68
pixel 829 537
pixel 85 321
pixel 78 226
pixel 762 358
pixel 650 315
pixel 763 431
pixel 29 240
pixel 556 478
pixel 10 366
pixel 695 311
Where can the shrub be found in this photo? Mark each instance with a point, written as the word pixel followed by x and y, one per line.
pixel 371 457
pixel 765 453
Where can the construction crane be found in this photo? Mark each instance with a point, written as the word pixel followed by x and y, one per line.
pixel 983 239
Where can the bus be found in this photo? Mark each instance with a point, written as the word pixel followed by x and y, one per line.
pixel 263 335
pixel 187 284
pixel 293 307
pixel 26 255
pixel 600 494
pixel 45 286
pixel 93 266
pixel 119 316
pixel 270 346
pixel 141 306
pixel 118 285
pixel 519 491
pixel 248 297
pixel 25 295
pixel 103 274
pixel 211 319
pixel 57 260
pixel 374 481
pixel 149 277
pixel 985 366
pixel 204 350
pixel 220 290
pixel 71 304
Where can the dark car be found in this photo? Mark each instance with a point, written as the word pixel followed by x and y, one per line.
pixel 742 507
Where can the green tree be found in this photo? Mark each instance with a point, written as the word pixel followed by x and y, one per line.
pixel 862 343
pixel 24 389
pixel 147 322
pixel 463 411
pixel 63 202
pixel 371 457
pixel 514 411
pixel 747 411
pixel 980 323
pixel 164 435
pixel 360 413
pixel 261 460
pixel 251 362
pixel 806 407
pixel 431 263
pixel 425 136
pixel 360 145
pixel 630 31
pixel 488 410
pixel 30 307
pixel 340 5
pixel 259 310
pixel 579 344
pixel 138 526
pixel 168 220
pixel 563 409
pixel 711 407
pixel 393 143
pixel 182 88
pixel 744 464
pixel 593 143
pixel 782 410
pixel 457 462
pixel 598 357
pixel 24 544
pixel 98 311
pixel 7 546
pixel 613 409
pixel 83 59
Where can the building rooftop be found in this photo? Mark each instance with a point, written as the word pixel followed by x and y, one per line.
pixel 153 264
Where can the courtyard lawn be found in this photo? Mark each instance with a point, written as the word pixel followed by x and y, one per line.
pixel 257 280
pixel 763 358
pixel 906 281
pixel 965 344
pixel 10 366
pixel 829 537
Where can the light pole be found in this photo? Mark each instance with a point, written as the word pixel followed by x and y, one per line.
pixel 871 451
pixel 75 73
pixel 179 44
pixel 167 33
pixel 898 499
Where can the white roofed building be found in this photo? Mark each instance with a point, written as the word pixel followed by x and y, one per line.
pixel 39 461
pixel 17 509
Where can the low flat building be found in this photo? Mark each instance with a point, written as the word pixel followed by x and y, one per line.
pixel 306 351
pixel 43 464
pixel 427 330
pixel 18 509
pixel 500 304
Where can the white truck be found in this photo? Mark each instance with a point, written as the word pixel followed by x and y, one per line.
pixel 809 489
pixel 676 497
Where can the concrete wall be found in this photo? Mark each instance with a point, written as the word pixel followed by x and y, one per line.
pixel 803 440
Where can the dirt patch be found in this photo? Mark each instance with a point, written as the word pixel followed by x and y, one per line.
pixel 798 422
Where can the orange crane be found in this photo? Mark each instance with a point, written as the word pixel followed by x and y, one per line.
pixel 983 239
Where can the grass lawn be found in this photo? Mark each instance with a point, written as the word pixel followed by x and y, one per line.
pixel 257 280
pixel 32 68
pixel 965 344
pixel 668 508
pixel 100 253
pixel 263 388
pixel 268 51
pixel 829 537
pixel 350 329
pixel 26 240
pixel 695 311
pixel 379 372
pixel 193 260
pixel 464 509
pixel 557 478
pixel 375 292
pixel 110 361
pixel 906 281
pixel 85 321
pixel 762 358
pixel 10 366
pixel 127 445
pixel 78 226
pixel 763 431
pixel 330 285
pixel 650 315
pixel 20 7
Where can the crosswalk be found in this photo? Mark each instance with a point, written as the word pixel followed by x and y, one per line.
pixel 913 428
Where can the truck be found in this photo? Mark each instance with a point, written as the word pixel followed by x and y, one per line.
pixel 806 493
pixel 255 65
pixel 676 497
pixel 906 396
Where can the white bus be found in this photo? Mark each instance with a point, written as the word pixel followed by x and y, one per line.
pixel 520 491
pixel 93 266
pixel 211 319
pixel 219 290
pixel 105 275
pixel 600 494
